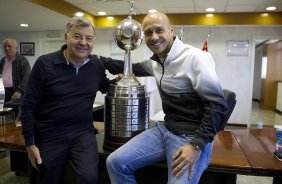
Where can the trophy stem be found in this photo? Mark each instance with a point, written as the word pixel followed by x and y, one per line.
pixel 128 78
pixel 127 64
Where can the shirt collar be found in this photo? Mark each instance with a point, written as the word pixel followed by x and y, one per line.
pixel 6 59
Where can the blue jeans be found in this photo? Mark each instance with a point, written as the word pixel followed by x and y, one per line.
pixel 153 145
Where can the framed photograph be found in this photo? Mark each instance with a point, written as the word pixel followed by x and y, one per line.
pixel 27 48
pixel 237 48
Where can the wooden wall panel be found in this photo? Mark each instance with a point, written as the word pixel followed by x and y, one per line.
pixel 274 72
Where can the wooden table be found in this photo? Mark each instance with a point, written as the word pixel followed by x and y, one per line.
pixel 227 158
pixel 227 161
pixel 11 137
pixel 227 154
pixel 248 152
pixel 258 145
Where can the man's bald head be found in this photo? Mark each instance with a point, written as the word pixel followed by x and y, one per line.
pixel 156 17
pixel 10 48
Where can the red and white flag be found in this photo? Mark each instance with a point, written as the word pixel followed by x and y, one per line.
pixel 205 46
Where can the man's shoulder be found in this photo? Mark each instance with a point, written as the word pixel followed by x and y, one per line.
pixel 50 58
pixel 195 51
pixel 53 55
pixel 95 59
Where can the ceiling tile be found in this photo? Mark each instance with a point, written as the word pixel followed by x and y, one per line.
pixel 241 8
pixel 179 3
pixel 247 2
pixel 208 3
pixel 261 8
pixel 180 10
pixel 149 4
pixel 201 9
pixel 78 1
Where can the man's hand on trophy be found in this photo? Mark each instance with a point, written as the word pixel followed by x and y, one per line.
pixel 119 77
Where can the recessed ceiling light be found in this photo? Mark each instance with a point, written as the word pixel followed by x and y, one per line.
pixel 209 9
pixel 270 8
pixel 24 25
pixel 110 18
pixel 209 15
pixel 264 14
pixel 79 14
pixel 102 13
pixel 152 11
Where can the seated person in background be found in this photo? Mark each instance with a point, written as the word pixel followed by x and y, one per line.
pixel 57 107
pixel 193 103
pixel 15 70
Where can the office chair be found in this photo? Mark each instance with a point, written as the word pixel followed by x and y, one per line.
pixel 230 97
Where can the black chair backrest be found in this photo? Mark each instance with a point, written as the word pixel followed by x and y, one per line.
pixel 230 97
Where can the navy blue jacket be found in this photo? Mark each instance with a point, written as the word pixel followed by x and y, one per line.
pixel 58 100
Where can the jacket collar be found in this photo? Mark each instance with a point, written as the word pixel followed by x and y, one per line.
pixel 174 50
pixel 62 59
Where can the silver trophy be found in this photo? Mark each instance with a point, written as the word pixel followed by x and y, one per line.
pixel 126 103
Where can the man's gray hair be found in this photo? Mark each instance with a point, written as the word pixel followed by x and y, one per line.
pixel 15 43
pixel 79 22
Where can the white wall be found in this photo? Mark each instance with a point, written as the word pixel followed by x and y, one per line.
pixel 235 72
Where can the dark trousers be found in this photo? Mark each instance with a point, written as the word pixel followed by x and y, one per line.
pixel 79 149
pixel 8 94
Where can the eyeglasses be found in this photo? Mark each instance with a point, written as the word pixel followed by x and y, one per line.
pixel 79 37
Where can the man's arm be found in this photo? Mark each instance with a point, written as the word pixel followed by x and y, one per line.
pixel 206 83
pixel 31 99
pixel 114 66
pixel 24 71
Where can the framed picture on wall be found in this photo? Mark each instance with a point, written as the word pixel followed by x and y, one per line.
pixel 27 48
pixel 237 48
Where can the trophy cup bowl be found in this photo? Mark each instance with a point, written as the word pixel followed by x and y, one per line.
pixel 128 34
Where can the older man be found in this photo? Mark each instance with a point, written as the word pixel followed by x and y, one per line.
pixel 15 70
pixel 57 108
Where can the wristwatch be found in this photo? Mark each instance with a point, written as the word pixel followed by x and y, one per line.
pixel 196 147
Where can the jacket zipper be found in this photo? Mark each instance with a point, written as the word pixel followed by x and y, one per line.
pixel 162 64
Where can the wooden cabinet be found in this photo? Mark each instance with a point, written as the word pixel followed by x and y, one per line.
pixel 279 97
